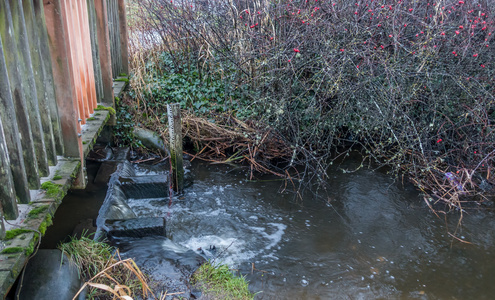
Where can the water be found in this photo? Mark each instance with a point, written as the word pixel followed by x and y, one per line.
pixel 365 237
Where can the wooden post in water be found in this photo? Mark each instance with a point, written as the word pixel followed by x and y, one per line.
pixel 175 133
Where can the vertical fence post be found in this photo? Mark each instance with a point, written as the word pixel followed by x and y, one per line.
pixel 32 31
pixel 11 130
pixel 87 47
pixel 104 51
pixel 114 28
pixel 124 39
pixel 76 63
pixel 39 15
pixel 64 89
pixel 21 112
pixel 175 133
pixel 95 50
pixel 7 196
pixel 28 84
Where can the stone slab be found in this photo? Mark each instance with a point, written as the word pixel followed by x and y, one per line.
pixel 119 86
pixel 151 186
pixel 92 129
pixel 136 228
pixel 6 282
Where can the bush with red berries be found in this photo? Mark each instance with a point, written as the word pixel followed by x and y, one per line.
pixel 411 84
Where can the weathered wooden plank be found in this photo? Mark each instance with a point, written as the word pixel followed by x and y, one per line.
pixel 28 84
pixel 175 134
pixel 7 196
pixel 113 27
pixel 95 49
pixel 64 90
pixel 39 80
pixel 21 110
pixel 104 51
pixel 124 38
pixel 88 57
pixel 11 131
pixel 46 63
pixel 75 47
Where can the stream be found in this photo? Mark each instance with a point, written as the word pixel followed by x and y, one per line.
pixel 365 237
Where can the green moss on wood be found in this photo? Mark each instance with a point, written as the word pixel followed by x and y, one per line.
pixel 30 249
pixel 44 225
pixel 34 213
pixel 108 108
pixel 12 250
pixel 57 177
pixel 52 189
pixel 10 234
pixel 126 80
pixel 91 119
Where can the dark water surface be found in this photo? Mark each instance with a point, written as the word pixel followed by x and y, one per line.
pixel 366 237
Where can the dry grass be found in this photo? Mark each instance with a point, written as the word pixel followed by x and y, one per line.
pixel 227 139
pixel 120 280
pixel 107 275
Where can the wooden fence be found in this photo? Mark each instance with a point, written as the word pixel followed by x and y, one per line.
pixel 58 59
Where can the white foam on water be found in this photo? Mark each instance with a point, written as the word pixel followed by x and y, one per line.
pixel 275 237
pixel 143 207
pixel 215 212
pixel 231 250
pixel 140 171
pixel 271 256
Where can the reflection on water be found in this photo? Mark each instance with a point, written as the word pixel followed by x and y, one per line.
pixel 365 238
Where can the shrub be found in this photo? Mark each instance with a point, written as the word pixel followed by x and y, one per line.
pixel 411 84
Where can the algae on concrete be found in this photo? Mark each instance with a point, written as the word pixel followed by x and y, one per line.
pixel 52 189
pixel 10 234
pixel 108 108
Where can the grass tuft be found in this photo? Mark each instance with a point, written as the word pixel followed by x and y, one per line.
pixel 107 276
pixel 219 282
